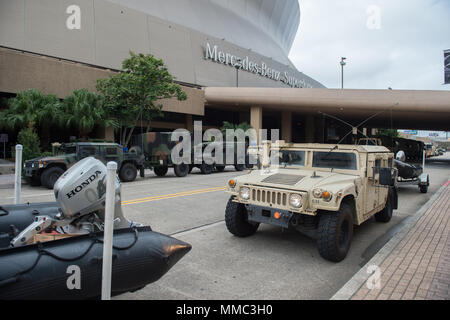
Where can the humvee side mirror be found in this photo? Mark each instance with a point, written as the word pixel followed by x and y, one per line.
pixel 385 176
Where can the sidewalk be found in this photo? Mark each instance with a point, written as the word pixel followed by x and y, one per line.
pixel 414 264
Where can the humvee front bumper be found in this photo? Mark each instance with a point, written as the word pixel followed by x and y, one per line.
pixel 275 217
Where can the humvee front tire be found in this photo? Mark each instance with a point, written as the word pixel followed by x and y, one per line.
pixel 236 219
pixel 161 171
pixel 335 233
pixel 128 172
pixel 50 176
pixel 181 170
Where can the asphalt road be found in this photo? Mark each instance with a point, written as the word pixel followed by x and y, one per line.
pixel 272 264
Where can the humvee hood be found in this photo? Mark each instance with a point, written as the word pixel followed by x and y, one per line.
pixel 298 179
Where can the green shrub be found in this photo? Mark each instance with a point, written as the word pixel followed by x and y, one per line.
pixel 29 139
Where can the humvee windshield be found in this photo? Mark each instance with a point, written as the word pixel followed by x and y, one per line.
pixel 335 160
pixel 69 150
pixel 292 158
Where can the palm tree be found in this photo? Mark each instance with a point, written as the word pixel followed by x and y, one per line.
pixel 83 110
pixel 29 109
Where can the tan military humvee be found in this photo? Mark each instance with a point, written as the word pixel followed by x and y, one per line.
pixel 321 190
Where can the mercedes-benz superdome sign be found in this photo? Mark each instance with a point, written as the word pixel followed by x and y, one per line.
pixel 447 66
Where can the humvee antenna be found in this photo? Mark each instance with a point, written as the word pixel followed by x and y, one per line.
pixel 359 125
pixel 353 127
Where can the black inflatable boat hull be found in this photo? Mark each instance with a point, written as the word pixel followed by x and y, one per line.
pixel 46 271
pixel 407 171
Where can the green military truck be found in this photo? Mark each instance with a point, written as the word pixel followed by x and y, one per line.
pixel 46 170
pixel 157 148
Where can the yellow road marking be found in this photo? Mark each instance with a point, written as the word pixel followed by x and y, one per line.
pixel 174 195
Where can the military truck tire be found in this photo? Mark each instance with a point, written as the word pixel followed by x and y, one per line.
pixel 50 176
pixel 33 181
pixel 161 171
pixel 220 168
pixel 239 167
pixel 335 233
pixel 385 215
pixel 236 220
pixel 206 168
pixel 128 172
pixel 181 170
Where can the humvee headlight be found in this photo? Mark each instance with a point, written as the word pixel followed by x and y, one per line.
pixel 245 193
pixel 232 183
pixel 317 193
pixel 295 200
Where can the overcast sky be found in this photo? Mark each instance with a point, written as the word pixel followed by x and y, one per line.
pixel 403 49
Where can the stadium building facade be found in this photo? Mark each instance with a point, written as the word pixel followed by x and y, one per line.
pixel 57 46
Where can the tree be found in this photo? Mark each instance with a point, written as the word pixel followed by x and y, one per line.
pixel 29 139
pixel 132 95
pixel 83 110
pixel 29 109
pixel 393 133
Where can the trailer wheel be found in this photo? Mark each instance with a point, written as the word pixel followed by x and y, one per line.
pixel 423 188
pixel 181 170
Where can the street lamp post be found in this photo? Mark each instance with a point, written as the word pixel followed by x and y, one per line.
pixel 343 63
pixel 237 66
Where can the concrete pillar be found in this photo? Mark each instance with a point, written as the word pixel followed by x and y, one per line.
pixel 256 120
pixel 109 134
pixel 310 129
pixel 189 123
pixel 286 126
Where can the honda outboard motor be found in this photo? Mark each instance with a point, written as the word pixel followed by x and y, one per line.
pixel 80 194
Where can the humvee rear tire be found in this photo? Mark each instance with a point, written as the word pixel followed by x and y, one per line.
pixel 335 233
pixel 181 170
pixel 128 172
pixel 161 171
pixel 50 176
pixel 385 215
pixel 206 168
pixel 220 168
pixel 236 219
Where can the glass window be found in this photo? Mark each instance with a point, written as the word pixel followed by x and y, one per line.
pixel 112 151
pixel 69 150
pixel 291 158
pixel 87 151
pixel 335 160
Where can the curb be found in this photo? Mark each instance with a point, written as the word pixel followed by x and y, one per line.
pixel 361 277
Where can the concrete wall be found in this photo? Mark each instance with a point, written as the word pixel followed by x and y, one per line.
pixel 21 71
pixel 108 31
